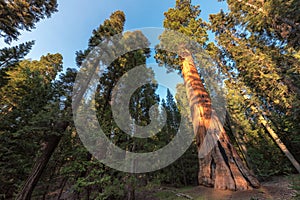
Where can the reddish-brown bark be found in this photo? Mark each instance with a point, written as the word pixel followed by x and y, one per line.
pixel 222 167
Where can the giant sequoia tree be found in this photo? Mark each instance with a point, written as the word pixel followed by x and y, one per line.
pixel 222 168
pixel 256 49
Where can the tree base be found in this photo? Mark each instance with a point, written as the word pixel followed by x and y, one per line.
pixel 223 169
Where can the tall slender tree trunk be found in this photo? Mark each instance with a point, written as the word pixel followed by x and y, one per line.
pixel 41 163
pixel 221 168
pixel 275 137
pixel 38 168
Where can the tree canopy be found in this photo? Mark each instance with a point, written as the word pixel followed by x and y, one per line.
pixel 20 15
pixel 254 65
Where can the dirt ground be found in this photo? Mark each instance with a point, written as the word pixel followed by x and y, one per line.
pixel 277 188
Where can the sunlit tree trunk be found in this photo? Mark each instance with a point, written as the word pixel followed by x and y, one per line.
pixel 222 167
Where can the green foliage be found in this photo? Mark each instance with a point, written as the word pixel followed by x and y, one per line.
pixel 101 185
pixel 110 27
pixel 22 15
pixel 11 56
pixel 271 18
pixel 252 139
pixel 24 114
pixel 186 167
pixel 260 65
pixel 257 54
pixel 184 18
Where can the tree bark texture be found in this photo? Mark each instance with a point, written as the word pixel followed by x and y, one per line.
pixel 38 168
pixel 221 168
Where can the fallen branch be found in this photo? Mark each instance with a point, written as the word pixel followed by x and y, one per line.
pixel 184 195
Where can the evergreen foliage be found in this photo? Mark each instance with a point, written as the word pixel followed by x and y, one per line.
pixel 256 49
pixel 261 63
pixel 19 15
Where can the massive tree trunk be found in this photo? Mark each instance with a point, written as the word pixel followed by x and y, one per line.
pixel 222 167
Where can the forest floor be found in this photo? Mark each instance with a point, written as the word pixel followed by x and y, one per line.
pixel 277 188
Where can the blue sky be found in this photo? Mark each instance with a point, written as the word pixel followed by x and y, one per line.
pixel 68 30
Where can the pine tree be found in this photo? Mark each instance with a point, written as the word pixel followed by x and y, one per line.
pixel 22 15
pixel 185 167
pixel 16 16
pixel 27 91
pixel 270 18
pixel 254 51
pixel 141 101
pixel 11 56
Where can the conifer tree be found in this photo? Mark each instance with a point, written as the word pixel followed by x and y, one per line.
pixel 253 49
pixel 139 107
pixel 19 15
pixel 27 91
